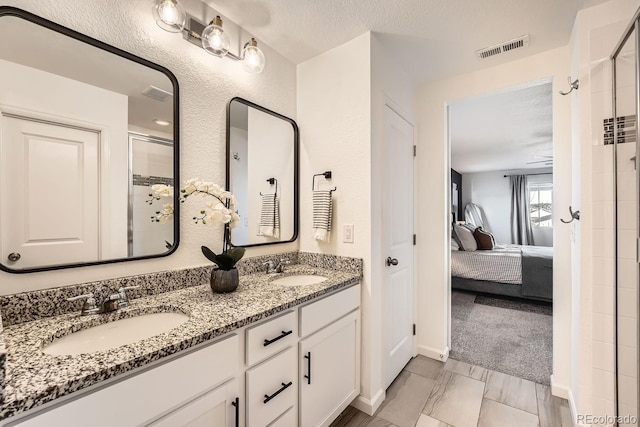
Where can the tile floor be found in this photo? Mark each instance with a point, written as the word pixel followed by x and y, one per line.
pixel 428 393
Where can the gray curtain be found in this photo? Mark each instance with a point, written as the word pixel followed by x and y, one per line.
pixel 521 232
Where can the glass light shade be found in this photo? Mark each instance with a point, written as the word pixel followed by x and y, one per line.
pixel 170 15
pixel 214 39
pixel 253 58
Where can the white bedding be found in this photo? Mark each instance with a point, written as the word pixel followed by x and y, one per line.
pixel 502 264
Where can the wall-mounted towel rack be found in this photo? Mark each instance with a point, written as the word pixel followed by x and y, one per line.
pixel 272 181
pixel 326 175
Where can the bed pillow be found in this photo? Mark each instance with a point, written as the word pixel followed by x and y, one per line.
pixel 454 245
pixel 465 238
pixel 484 239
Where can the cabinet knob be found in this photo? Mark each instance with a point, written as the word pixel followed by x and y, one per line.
pixel 391 261
pixel 13 256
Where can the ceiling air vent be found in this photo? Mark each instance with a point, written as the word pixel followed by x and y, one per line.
pixel 157 93
pixel 507 46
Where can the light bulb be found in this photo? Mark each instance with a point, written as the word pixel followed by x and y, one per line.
pixel 170 15
pixel 253 58
pixel 214 39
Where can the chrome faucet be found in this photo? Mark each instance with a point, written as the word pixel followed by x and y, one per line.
pixel 281 264
pixel 272 267
pixel 89 306
pixel 111 303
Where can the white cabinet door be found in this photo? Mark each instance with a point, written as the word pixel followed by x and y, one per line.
pixel 329 371
pixel 219 407
pixel 49 193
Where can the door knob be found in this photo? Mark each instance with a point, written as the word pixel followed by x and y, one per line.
pixel 391 261
pixel 14 256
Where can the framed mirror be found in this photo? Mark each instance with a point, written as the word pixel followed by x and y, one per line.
pixel 86 129
pixel 262 173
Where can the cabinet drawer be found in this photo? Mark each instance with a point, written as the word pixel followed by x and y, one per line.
pixel 319 314
pixel 271 388
pixel 141 398
pixel 270 337
pixel 289 419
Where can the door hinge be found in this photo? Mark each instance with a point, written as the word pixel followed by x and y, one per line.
pixel 415 149
pixel 414 240
pixel 414 329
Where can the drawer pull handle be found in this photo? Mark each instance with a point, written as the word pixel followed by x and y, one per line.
pixel 308 357
pixel 236 404
pixel 267 398
pixel 279 337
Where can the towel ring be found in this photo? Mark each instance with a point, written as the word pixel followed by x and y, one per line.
pixel 327 175
pixel 272 181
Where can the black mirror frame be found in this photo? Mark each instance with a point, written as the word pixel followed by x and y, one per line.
pixel 296 167
pixel 27 16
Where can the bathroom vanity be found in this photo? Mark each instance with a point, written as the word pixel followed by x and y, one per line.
pixel 267 354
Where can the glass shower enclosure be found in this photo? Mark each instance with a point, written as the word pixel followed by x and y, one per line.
pixel 621 131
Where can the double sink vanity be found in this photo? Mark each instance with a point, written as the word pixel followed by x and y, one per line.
pixel 279 351
pixel 158 349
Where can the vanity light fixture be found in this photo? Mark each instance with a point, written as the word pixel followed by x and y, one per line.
pixel 170 16
pixel 214 39
pixel 252 57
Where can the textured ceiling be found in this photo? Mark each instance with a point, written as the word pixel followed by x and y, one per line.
pixel 429 38
pixel 503 130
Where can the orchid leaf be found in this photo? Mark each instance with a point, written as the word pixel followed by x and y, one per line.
pixel 236 253
pixel 209 254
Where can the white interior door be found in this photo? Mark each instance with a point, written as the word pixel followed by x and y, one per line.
pixel 397 244
pixel 48 192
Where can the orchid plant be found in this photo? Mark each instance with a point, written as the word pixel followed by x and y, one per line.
pixel 220 207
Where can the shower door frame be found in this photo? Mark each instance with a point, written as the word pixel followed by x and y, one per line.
pixel 634 25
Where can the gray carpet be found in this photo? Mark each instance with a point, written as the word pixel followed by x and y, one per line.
pixel 514 342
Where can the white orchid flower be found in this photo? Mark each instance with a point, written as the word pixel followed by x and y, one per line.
pixel 235 219
pixel 166 214
pixel 162 190
pixel 190 186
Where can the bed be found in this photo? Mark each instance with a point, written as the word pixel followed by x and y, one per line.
pixel 510 270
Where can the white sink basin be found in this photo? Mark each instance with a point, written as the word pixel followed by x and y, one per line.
pixel 299 280
pixel 114 334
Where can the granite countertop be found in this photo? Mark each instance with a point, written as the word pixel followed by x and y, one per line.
pixel 34 378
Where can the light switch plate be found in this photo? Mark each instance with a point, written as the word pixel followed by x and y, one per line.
pixel 347 233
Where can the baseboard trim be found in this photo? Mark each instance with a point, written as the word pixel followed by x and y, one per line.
pixel 367 406
pixel 434 353
pixel 559 389
pixel 574 411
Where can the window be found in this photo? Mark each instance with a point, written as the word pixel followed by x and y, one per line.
pixel 540 204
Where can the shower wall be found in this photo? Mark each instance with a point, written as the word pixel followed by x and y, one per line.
pixel 614 215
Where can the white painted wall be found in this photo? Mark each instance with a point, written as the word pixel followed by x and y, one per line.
pixel 341 100
pixel 492 192
pixel 35 93
pixel 334 115
pixel 206 85
pixel 596 31
pixel 433 180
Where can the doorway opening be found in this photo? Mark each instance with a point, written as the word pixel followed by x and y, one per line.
pixel 502 230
